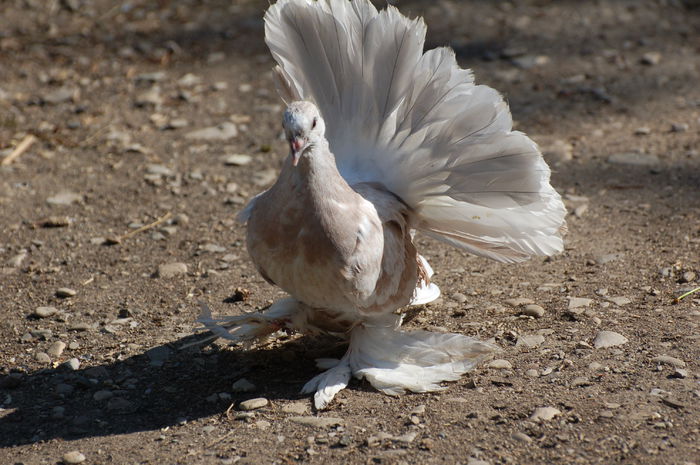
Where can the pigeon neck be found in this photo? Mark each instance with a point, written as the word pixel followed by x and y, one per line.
pixel 317 169
pixel 317 161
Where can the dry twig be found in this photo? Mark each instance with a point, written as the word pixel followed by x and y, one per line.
pixel 119 239
pixel 19 150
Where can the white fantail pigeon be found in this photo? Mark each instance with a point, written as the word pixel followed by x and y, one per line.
pixel 385 140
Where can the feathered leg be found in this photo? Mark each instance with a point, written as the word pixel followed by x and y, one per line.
pixel 396 361
pixel 254 326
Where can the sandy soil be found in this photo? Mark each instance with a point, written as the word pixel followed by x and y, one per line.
pixel 115 92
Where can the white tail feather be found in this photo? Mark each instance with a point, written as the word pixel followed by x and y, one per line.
pixel 416 123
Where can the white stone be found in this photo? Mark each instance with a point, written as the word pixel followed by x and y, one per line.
pixel 608 339
pixel 544 413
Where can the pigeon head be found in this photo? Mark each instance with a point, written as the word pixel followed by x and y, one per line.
pixel 303 127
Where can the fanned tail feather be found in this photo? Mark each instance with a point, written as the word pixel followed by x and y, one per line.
pixel 418 124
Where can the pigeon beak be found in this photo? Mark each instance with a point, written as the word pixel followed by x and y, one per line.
pixel 297 146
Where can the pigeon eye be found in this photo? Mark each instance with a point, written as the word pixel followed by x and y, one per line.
pixel 313 125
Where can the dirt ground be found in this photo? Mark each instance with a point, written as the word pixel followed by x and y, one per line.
pixel 116 93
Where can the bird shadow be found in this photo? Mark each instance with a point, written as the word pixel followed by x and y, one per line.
pixel 160 387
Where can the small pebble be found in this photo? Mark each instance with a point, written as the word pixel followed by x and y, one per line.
pixel 687 277
pixel 58 412
pixel 680 373
pixel 73 457
pixel 533 310
pixel 72 364
pixel 119 404
pixel 224 131
pixel 181 219
pixel 676 127
pixel 518 301
pixel 298 408
pixel 64 198
pixel 237 159
pixel 317 422
pixel 650 58
pixel 243 385
pixel 668 360
pixel 633 159
pixel 475 461
pixel 418 410
pixel 158 355
pixel 578 302
pixel 532 373
pixel 56 349
pixel 595 366
pixel 544 413
pixel 170 270
pixel 80 326
pixel 606 339
pixel 607 258
pixel 500 364
pixel 253 404
pixel 560 151
pixel 160 170
pixel 65 292
pixel 522 437
pixel 151 97
pixel 16 261
pixel 64 389
pixel 530 341
pixel 620 301
pixel 45 312
pixel 101 395
pixel 42 357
